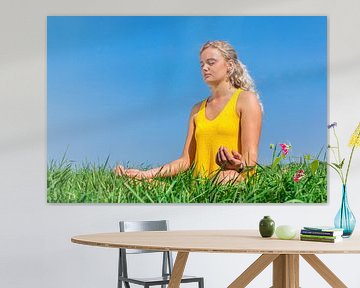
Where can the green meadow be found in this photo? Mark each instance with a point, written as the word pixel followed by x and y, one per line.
pixel 279 182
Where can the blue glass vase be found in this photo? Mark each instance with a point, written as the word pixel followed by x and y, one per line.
pixel 345 219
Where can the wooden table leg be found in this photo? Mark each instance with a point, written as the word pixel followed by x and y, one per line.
pixel 324 271
pixel 293 264
pixel 178 270
pixel 286 271
pixel 253 270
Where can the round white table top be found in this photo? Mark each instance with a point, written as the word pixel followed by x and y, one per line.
pixel 220 241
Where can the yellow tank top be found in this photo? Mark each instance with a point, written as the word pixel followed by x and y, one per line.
pixel 211 134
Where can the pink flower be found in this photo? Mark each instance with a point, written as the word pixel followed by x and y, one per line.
pixel 285 148
pixel 298 175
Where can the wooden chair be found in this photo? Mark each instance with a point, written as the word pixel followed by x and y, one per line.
pixel 167 262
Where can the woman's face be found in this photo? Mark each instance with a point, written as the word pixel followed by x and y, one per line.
pixel 214 67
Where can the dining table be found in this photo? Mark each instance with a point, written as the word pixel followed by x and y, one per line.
pixel 282 254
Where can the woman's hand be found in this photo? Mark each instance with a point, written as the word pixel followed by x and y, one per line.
pixel 229 161
pixel 133 173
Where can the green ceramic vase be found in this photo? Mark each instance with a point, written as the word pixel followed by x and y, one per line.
pixel 266 226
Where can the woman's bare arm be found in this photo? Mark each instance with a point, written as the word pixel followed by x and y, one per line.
pixel 250 127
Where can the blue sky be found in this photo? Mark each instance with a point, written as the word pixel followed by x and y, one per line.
pixel 124 86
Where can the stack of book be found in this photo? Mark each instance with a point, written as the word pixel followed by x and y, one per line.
pixel 321 234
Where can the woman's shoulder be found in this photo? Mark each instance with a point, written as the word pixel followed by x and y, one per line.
pixel 248 99
pixel 247 95
pixel 197 106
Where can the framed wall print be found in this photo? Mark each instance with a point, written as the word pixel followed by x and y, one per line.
pixel 187 109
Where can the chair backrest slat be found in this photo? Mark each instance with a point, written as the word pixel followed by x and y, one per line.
pixel 133 226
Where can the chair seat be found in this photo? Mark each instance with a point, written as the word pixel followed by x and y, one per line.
pixel 158 280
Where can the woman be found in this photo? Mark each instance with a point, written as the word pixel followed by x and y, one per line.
pixel 224 129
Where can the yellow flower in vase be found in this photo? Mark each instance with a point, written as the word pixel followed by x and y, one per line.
pixel 354 142
pixel 339 164
pixel 355 138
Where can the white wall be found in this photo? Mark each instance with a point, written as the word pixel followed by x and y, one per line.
pixel 35 248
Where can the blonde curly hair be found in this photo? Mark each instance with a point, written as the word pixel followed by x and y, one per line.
pixel 239 76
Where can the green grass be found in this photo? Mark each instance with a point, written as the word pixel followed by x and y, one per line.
pixel 89 183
